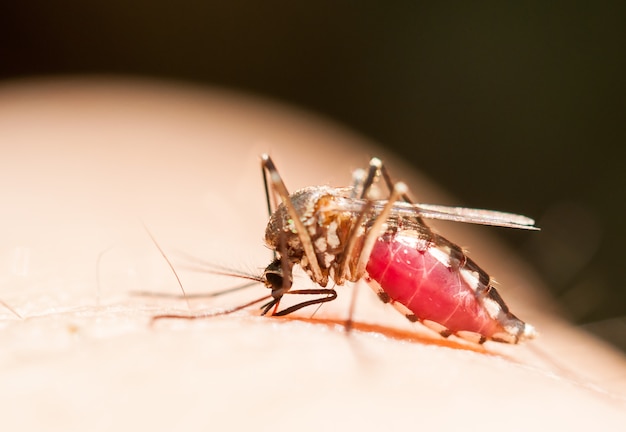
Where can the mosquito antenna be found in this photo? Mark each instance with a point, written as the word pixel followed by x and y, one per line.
pixel 203 266
pixel 169 263
pixel 197 295
pixel 211 314
pixel 201 269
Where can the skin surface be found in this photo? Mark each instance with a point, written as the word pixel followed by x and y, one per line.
pixel 86 162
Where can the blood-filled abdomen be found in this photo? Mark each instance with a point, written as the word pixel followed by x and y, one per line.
pixel 422 277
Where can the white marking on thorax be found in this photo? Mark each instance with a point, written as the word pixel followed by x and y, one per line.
pixel 320 244
pixel 331 235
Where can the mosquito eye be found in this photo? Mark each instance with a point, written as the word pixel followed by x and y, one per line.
pixel 274 280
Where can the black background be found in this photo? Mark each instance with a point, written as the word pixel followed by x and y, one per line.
pixel 516 107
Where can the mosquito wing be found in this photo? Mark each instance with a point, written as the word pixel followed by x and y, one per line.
pixel 467 215
pixel 454 214
pixel 475 216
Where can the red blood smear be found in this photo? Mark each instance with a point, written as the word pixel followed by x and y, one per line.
pixel 432 291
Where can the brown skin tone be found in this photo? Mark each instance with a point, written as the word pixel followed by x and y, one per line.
pixel 86 163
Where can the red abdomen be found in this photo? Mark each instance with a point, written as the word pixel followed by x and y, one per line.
pixel 415 274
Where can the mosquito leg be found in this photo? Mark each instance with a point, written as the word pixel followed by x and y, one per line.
pixel 349 321
pixel 347 258
pixel 362 183
pixel 278 186
pixel 286 267
pixel 331 295
pixel 351 244
pixel 405 196
pixel 385 174
pixel 273 303
pixel 361 186
pixel 270 198
pixel 267 165
pixel 399 189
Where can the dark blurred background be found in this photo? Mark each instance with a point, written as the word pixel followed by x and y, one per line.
pixel 517 107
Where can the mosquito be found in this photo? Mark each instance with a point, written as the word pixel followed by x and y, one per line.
pixel 345 235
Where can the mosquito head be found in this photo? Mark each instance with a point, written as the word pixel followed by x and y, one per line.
pixel 275 280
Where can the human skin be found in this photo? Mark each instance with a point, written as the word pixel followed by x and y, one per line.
pixel 87 164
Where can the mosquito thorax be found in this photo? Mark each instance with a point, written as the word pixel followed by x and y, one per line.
pixel 328 224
